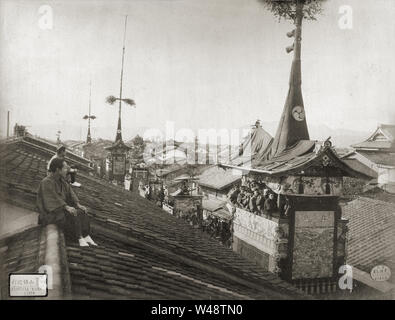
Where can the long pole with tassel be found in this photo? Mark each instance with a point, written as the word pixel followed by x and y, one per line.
pixel 111 99
pixel 119 132
pixel 89 116
pixel 89 119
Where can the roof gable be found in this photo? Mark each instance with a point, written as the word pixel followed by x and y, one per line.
pixel 388 131
pixel 382 138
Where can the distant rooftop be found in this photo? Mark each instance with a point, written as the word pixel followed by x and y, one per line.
pixel 382 139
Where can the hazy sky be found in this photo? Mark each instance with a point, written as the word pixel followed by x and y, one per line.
pixel 201 64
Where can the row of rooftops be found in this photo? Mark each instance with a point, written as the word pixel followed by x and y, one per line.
pixel 251 156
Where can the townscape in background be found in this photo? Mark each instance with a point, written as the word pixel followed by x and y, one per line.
pixel 272 217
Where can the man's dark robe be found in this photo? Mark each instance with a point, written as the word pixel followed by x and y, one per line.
pixel 54 193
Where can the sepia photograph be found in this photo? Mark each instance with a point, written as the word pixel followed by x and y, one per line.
pixel 197 155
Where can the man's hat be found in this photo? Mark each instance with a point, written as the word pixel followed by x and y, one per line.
pixel 60 149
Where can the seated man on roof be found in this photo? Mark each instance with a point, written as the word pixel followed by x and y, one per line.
pixel 58 204
pixel 61 154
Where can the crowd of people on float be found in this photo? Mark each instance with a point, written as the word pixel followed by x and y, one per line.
pixel 254 197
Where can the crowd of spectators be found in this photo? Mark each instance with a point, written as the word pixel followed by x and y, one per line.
pixel 256 198
pixel 159 194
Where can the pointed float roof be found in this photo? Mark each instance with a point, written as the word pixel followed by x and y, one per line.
pixel 118 145
pixel 292 127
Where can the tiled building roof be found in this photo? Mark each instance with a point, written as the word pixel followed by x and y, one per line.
pixel 304 154
pixel 371 232
pixel 212 204
pixel 383 138
pixel 143 252
pixel 20 253
pixel 383 158
pixel 218 178
pixel 380 194
pixel 360 167
pixel 373 145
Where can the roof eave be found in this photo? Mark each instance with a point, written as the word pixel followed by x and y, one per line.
pixel 343 166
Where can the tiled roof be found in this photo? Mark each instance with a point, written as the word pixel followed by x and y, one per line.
pixel 382 158
pixel 19 253
pixel 371 232
pixel 144 252
pixel 213 204
pixel 360 167
pixel 43 147
pixel 218 178
pixel 122 271
pixel 380 194
pixel 300 157
pixel 118 144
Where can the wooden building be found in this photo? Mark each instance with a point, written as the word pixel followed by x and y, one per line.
pixel 215 182
pixel 378 154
